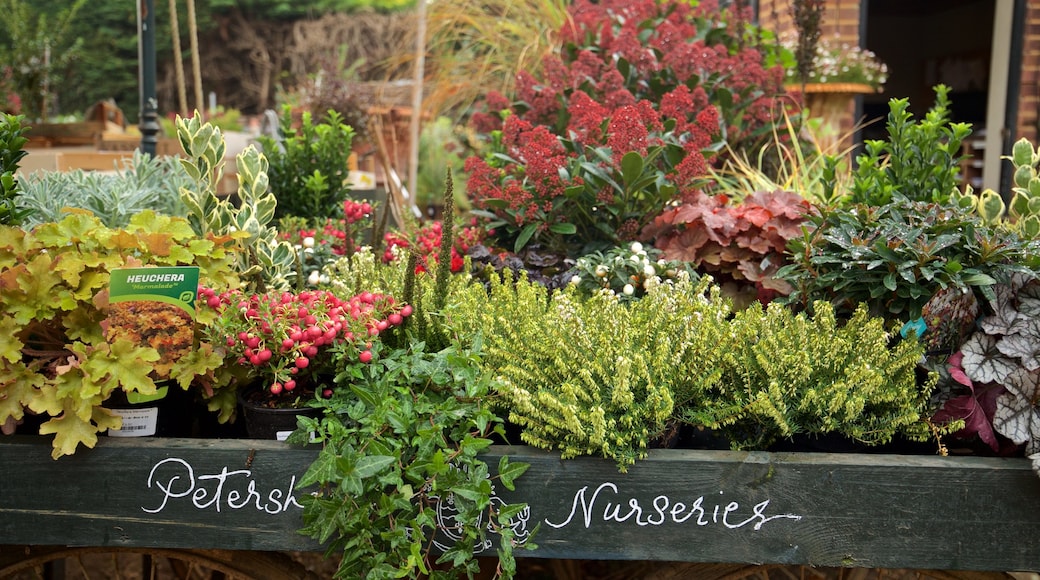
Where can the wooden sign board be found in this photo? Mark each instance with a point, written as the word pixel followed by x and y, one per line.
pixel 872 511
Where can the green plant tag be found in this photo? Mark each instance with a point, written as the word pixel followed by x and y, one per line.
pixel 154 307
pixel 136 398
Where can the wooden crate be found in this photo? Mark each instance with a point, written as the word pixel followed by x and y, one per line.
pixel 818 509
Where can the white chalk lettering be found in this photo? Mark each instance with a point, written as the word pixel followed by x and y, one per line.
pixel 175 478
pixel 662 510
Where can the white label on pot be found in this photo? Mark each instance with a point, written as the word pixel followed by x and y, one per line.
pixel 136 422
pixel 283 435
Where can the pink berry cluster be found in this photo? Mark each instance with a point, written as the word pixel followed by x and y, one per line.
pixel 355 211
pixel 287 339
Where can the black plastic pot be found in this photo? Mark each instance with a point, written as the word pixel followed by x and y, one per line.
pixel 263 421
pixel 168 415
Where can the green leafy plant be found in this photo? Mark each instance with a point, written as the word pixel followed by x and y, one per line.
pixel 919 161
pixel 145 183
pixel 784 374
pixel 12 150
pixel 37 49
pixel 308 164
pixel 265 261
pixel 56 360
pixel 402 490
pixel 896 257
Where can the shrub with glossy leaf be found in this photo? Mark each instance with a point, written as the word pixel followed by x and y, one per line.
pixel 12 143
pixel 895 257
pixel 399 478
pixel 920 161
pixel 308 164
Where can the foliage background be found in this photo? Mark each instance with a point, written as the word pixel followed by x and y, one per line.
pixel 233 35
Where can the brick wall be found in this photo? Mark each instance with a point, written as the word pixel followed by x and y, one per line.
pixel 1029 92
pixel 840 18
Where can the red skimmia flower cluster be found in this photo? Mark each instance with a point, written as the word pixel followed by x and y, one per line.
pixel 290 341
pixel 621 124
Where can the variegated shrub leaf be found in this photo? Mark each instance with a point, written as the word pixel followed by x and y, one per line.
pixel 983 362
pixel 1017 416
pixel 1035 458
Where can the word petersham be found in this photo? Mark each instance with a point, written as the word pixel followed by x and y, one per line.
pixel 175 479
pixel 586 510
pixel 152 278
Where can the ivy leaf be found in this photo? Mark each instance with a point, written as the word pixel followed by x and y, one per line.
pixel 507 471
pixel 372 464
pixel 983 362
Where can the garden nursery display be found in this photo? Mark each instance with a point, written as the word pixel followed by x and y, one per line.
pixel 668 328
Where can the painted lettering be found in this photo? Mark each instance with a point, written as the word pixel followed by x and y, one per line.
pixel 662 510
pixel 176 479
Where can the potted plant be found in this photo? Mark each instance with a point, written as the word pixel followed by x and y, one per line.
pixel 279 346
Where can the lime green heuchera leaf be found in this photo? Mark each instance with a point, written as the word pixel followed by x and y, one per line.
pixel 69 432
pixel 126 362
pixel 15 390
pixel 10 346
pixel 200 361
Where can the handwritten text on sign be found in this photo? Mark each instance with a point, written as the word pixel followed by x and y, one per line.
pixel 175 479
pixel 662 510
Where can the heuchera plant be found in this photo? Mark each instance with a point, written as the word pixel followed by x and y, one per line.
pixel 621 123
pixel 1001 366
pixel 739 244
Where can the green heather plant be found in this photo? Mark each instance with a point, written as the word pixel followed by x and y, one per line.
pixel 145 183
pixel 596 376
pixel 12 144
pixel 919 161
pixel 307 165
pixel 55 360
pixel 784 374
pixel 401 488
